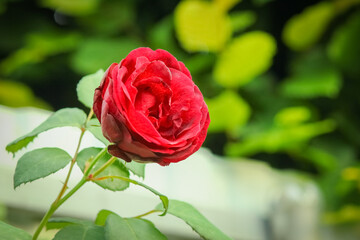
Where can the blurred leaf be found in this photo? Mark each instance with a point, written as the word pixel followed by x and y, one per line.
pixel 118 228
pixel 199 63
pixel 305 29
pixel 245 58
pixel 94 127
pixel 347 214
pixel 95 54
pixel 201 26
pixel 221 118
pixel 195 220
pixel 292 116
pixel 325 83
pixel 261 2
pixel 344 5
pixel 8 232
pixel 80 232
pixel 279 139
pixel 226 5
pixel 86 87
pixel 115 169
pixel 16 94
pixel 73 117
pixel 161 35
pixel 242 20
pixel 61 222
pixel 39 46
pixel 313 76
pixel 39 163
pixel 72 7
pixel 110 18
pixel 344 47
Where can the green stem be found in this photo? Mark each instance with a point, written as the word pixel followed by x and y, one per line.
pixel 162 197
pixel 58 201
pixel 55 206
pixel 102 168
pixel 93 162
pixel 147 213
pixel 73 161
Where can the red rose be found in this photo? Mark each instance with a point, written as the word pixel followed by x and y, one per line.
pixel 150 109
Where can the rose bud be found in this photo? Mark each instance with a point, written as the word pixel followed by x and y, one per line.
pixel 150 109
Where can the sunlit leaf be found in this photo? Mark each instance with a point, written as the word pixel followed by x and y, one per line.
pixel 81 232
pixel 73 117
pixel 72 7
pixel 305 29
pixel 279 138
pixel 115 169
pixel 86 87
pixel 347 214
pixel 201 26
pixel 8 232
pixel 195 220
pixel 221 118
pixel 292 116
pixel 16 94
pixel 245 58
pixel 39 163
pixel 96 53
pixel 118 228
pixel 344 46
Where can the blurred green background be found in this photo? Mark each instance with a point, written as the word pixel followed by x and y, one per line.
pixel 281 78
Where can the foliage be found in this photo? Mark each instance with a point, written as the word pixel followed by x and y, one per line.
pixel 282 86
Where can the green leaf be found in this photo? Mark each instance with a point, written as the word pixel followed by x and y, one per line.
pixel 102 216
pixel 195 220
pixel 86 87
pixel 8 232
pixel 81 232
pixel 94 53
pixel 312 76
pixel 39 163
pixel 242 20
pixel 38 47
pixel 118 228
pixel 221 118
pixel 253 51
pixel 344 47
pixel 191 17
pixel 94 127
pixel 64 117
pixel 325 83
pixel 61 222
pixel 305 29
pixel 72 7
pixel 16 94
pixel 115 169
pixel 136 168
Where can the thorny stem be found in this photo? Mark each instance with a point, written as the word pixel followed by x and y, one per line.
pixel 59 200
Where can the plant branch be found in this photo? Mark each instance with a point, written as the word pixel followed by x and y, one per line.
pixel 147 213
